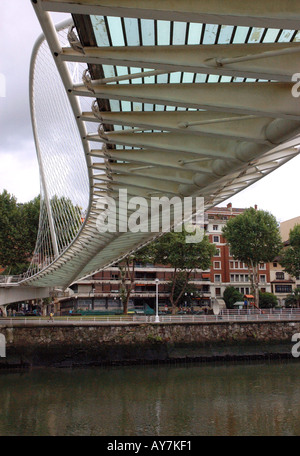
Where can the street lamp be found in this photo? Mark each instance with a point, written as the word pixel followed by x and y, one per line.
pixel 156 315
pixel 91 304
pixel 188 297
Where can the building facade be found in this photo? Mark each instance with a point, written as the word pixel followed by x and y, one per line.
pixel 102 290
pixel 282 284
pixel 225 270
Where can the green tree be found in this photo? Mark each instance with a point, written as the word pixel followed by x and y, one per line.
pixel 30 214
pixel 232 295
pixel 173 250
pixel 254 238
pixel 66 219
pixel 18 231
pixel 293 299
pixel 290 257
pixel 19 224
pixel 189 288
pixel 267 300
pixel 127 273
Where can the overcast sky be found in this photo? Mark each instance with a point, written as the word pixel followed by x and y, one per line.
pixel 19 28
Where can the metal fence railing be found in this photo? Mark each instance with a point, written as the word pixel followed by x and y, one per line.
pixel 288 315
pixel 6 279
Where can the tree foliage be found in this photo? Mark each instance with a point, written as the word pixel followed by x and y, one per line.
pixel 18 232
pixel 189 289
pixel 290 257
pixel 19 227
pixel 66 219
pixel 254 238
pixel 293 299
pixel 267 300
pixel 232 295
pixel 173 250
pixel 127 273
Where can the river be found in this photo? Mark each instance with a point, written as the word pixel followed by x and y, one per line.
pixel 187 400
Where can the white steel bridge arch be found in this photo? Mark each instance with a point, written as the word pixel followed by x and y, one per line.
pixel 229 120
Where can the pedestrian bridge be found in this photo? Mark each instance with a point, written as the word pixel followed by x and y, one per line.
pixel 161 98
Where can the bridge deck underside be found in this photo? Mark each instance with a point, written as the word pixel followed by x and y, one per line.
pixel 187 98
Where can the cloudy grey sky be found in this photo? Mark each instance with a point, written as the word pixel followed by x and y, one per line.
pixel 19 28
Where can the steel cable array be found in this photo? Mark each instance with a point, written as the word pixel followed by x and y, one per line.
pixel 64 189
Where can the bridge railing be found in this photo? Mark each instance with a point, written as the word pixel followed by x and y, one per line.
pixel 7 279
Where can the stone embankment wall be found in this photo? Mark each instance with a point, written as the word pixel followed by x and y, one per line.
pixel 107 344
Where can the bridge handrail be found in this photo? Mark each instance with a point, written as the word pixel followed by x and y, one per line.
pixel 11 278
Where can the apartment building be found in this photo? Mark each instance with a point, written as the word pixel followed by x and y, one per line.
pixel 225 270
pixel 282 284
pixel 102 290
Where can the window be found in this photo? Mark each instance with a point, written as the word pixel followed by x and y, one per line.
pixel 217 253
pixel 215 227
pixel 262 278
pixel 283 288
pixel 231 264
pixel 275 265
pixel 218 291
pixel 217 278
pixel 279 275
pixel 216 238
pixel 239 278
pixel 114 276
pixel 217 265
pixel 99 303
pixel 262 266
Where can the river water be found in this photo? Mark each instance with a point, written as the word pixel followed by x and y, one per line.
pixel 187 400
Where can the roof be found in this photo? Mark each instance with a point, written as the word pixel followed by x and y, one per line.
pixel 282 281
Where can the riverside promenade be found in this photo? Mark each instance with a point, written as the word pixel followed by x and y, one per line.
pixel 80 342
pixel 227 315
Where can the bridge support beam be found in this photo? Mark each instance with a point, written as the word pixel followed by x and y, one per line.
pixel 9 295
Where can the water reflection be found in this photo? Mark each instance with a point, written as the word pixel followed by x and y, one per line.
pixel 246 399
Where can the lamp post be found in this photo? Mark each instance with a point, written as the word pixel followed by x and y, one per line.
pixel 188 298
pixel 156 314
pixel 91 304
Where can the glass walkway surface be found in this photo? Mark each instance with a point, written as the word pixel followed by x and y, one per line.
pixel 161 98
